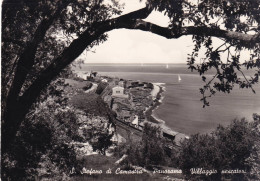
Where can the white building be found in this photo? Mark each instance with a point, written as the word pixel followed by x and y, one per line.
pixel 135 121
pixel 121 83
pixel 83 76
pixel 104 80
pixel 119 92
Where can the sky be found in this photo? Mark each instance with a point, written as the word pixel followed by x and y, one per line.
pixel 136 46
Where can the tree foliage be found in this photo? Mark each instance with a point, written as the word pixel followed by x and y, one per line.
pixel 233 18
pixel 228 148
pixel 42 145
pixel 102 142
pixel 147 152
pixel 152 145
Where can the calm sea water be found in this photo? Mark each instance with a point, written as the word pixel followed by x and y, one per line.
pixel 181 108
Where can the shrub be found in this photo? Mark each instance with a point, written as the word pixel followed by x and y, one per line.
pixel 149 151
pixel 233 147
pixel 42 144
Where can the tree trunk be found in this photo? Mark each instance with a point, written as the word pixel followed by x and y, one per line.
pixel 14 109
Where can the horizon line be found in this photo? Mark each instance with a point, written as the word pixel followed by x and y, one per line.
pixel 133 63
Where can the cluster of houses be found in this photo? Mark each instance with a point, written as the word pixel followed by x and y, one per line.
pixel 88 75
pixel 130 100
pixel 144 85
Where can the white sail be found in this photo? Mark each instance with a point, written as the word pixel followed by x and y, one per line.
pixel 179 78
pixel 167 66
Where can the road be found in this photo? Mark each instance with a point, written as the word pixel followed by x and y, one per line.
pixel 128 132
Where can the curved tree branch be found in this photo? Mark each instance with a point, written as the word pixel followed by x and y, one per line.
pixel 245 39
pixel 128 21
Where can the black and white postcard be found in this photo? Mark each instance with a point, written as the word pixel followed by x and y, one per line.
pixel 130 90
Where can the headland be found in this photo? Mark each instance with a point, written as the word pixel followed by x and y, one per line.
pixel 132 101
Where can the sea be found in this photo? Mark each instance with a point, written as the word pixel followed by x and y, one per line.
pixel 181 108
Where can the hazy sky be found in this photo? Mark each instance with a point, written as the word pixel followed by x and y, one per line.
pixel 135 46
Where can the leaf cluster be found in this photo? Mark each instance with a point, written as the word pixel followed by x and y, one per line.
pixel 225 60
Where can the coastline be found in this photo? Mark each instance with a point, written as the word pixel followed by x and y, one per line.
pixel 150 115
pixel 152 118
pixel 181 108
pixel 157 97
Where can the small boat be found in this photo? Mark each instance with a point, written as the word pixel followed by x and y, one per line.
pixel 179 78
pixel 167 66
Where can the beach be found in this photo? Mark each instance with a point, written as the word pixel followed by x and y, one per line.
pixel 159 90
pixel 157 94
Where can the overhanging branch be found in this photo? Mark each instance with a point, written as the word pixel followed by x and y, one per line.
pixel 132 20
pixel 245 39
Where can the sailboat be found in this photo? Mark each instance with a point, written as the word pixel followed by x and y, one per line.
pixel 179 78
pixel 167 66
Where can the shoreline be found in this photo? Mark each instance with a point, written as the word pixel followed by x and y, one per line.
pixel 149 115
pixel 152 118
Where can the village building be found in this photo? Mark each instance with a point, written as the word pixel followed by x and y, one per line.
pixel 148 85
pixel 114 138
pixel 134 84
pixel 180 137
pixel 111 129
pixel 128 84
pixel 82 76
pixel 119 92
pixel 104 80
pixel 135 122
pixel 140 84
pixel 89 76
pixel 121 83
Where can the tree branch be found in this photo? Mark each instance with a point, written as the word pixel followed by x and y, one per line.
pixel 245 39
pixel 128 21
